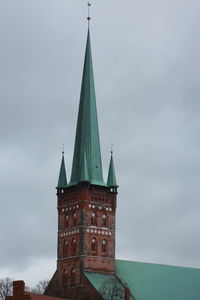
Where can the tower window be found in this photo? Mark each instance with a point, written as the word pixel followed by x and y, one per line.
pixel 65 249
pixel 66 220
pixel 74 219
pixel 72 276
pixel 64 279
pixel 104 246
pixel 94 219
pixel 73 247
pixel 94 245
pixel 105 220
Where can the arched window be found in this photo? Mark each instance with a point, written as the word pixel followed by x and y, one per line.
pixel 64 279
pixel 74 219
pixel 94 245
pixel 73 247
pixel 65 248
pixel 94 219
pixel 66 221
pixel 104 246
pixel 72 276
pixel 105 220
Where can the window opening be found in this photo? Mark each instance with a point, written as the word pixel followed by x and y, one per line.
pixel 66 220
pixel 64 281
pixel 94 219
pixel 72 276
pixel 104 246
pixel 74 219
pixel 105 220
pixel 94 245
pixel 65 249
pixel 73 247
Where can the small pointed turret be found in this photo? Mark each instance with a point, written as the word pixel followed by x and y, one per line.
pixel 84 169
pixel 111 174
pixel 87 131
pixel 62 180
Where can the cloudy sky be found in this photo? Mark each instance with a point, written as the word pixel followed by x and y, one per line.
pixel 147 70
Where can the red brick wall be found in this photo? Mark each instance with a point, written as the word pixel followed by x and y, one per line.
pixel 75 207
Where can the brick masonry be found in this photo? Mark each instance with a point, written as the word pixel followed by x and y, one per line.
pixel 86 238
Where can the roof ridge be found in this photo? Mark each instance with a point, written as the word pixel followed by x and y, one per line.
pixel 158 264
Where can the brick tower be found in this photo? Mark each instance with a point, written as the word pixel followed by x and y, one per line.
pixel 86 205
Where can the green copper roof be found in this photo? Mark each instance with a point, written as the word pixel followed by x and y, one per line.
pixel 105 284
pixel 84 169
pixel 62 180
pixel 152 281
pixel 87 132
pixel 98 279
pixel 159 282
pixel 111 174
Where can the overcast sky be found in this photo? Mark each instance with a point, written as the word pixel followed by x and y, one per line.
pixel 147 72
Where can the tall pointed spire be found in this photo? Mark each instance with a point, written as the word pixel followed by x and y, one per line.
pixel 62 180
pixel 87 131
pixel 84 169
pixel 111 173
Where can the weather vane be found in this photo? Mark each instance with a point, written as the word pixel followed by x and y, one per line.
pixel 88 18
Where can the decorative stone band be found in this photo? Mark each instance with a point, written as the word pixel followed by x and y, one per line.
pixel 90 231
pixel 70 208
pixel 103 207
pixel 68 233
pixel 100 232
pixel 100 207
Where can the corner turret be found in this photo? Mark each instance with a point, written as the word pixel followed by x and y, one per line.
pixel 111 181
pixel 62 179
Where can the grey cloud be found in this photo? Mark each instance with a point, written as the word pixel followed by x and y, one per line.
pixel 146 64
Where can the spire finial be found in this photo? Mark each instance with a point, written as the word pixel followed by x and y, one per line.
pixel 88 18
pixel 111 148
pixel 63 149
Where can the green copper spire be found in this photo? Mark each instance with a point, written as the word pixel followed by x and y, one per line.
pixel 84 169
pixel 111 173
pixel 62 180
pixel 87 132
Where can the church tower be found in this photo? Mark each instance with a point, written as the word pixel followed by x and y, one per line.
pixel 86 204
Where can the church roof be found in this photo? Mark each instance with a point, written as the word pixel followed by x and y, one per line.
pixel 34 296
pixel 87 131
pixel 99 279
pixel 148 281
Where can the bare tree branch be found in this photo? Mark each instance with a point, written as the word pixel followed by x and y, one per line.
pixel 40 287
pixel 112 290
pixel 5 287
